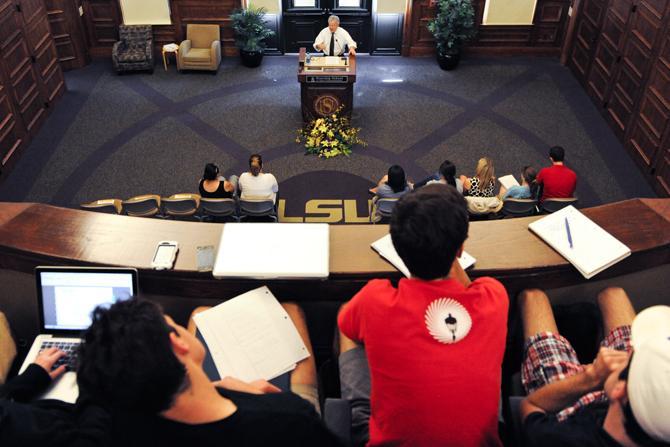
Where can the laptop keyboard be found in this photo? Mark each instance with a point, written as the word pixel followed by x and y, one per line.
pixel 70 350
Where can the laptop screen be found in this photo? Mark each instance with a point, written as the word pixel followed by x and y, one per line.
pixel 67 297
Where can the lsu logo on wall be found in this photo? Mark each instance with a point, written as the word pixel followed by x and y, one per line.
pixel 325 197
pixel 326 211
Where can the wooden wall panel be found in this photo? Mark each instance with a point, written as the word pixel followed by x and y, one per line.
pixel 67 29
pixel 30 76
pixel 544 36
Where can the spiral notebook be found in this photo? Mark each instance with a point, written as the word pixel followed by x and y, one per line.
pixel 580 240
pixel 385 248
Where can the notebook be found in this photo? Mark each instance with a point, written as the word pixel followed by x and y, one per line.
pixel 385 248
pixel 273 251
pixel 508 181
pixel 580 240
pixel 251 337
pixel 66 297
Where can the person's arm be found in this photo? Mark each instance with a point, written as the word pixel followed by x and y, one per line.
pixel 319 42
pixel 466 183
pixel 351 43
pixel 255 387
pixel 36 378
pixel 456 272
pixel 555 396
pixel 275 185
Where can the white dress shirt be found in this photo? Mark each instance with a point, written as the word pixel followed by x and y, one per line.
pixel 342 38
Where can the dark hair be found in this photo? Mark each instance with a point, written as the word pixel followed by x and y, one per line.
pixel 126 358
pixel 529 174
pixel 428 227
pixel 255 164
pixel 396 178
pixel 211 171
pixel 557 153
pixel 448 171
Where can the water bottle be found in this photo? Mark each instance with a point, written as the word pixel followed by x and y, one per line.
pixel 309 58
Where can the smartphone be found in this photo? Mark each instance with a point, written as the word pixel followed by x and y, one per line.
pixel 205 258
pixel 165 255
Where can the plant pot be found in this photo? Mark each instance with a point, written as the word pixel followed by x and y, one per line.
pixel 251 58
pixel 448 61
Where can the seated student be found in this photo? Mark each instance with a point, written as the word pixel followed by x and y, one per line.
pixel 434 343
pixel 257 184
pixel 528 188
pixel 148 370
pixel 484 181
pixel 448 176
pixel 213 186
pixel 24 422
pixel 393 185
pixel 558 181
pixel 618 400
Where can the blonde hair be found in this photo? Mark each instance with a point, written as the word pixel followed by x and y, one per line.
pixel 485 172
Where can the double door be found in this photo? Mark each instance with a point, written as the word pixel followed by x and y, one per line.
pixel 303 19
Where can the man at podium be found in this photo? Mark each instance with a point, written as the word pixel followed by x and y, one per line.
pixel 333 39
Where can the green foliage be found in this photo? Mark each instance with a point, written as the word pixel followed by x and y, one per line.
pixel 329 136
pixel 453 25
pixel 250 29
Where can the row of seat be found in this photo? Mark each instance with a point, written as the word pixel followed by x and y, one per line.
pixel 381 209
pixel 186 206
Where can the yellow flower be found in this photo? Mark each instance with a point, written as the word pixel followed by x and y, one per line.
pixel 331 134
pixel 323 129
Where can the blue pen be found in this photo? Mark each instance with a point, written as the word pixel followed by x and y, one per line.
pixel 567 229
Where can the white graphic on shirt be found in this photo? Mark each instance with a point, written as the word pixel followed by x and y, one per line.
pixel 447 320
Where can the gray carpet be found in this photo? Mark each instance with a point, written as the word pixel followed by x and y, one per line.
pixel 120 136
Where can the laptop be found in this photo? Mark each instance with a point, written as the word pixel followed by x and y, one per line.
pixel 273 251
pixel 66 297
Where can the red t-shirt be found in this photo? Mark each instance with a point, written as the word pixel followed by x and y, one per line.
pixel 427 392
pixel 559 182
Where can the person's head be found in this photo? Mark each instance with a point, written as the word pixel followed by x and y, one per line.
pixel 132 357
pixel 428 228
pixel 255 164
pixel 557 154
pixel 485 172
pixel 333 23
pixel 396 178
pixel 448 172
pixel 639 391
pixel 211 172
pixel 528 176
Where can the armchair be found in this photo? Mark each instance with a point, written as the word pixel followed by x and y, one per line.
pixel 202 48
pixel 135 49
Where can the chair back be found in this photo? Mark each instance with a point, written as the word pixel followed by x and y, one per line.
pixel 553 205
pixel 202 36
pixel 519 207
pixel 382 209
pixel 257 208
pixel 219 207
pixel 147 205
pixel 181 205
pixel 109 206
pixel 135 33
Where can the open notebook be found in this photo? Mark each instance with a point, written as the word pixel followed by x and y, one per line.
pixel 508 181
pixel 385 248
pixel 251 337
pixel 580 240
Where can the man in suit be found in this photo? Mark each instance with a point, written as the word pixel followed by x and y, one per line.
pixel 333 39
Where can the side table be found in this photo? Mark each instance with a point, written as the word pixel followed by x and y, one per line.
pixel 170 48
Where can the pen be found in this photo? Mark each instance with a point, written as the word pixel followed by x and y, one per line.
pixel 567 229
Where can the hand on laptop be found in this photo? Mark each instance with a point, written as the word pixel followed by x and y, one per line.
pixel 47 358
pixel 255 387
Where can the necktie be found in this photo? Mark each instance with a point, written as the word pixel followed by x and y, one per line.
pixel 332 44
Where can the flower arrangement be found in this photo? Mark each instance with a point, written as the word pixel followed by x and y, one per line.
pixel 330 136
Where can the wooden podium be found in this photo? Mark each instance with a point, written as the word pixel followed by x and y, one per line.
pixel 325 85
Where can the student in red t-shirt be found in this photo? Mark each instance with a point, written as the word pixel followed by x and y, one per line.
pixel 434 344
pixel 558 181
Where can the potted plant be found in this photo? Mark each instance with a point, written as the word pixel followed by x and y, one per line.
pixel 452 27
pixel 250 34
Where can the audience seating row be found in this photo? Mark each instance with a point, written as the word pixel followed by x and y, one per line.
pixel 186 206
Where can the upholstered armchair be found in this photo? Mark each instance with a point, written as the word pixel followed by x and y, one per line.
pixel 202 48
pixel 135 50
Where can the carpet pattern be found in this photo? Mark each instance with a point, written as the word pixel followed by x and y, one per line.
pixel 120 136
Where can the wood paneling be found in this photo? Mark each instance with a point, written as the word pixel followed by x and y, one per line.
pixel 387 34
pixel 624 63
pixel 544 36
pixel 30 76
pixel 68 32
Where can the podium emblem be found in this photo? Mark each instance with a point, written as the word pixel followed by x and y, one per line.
pixel 326 104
